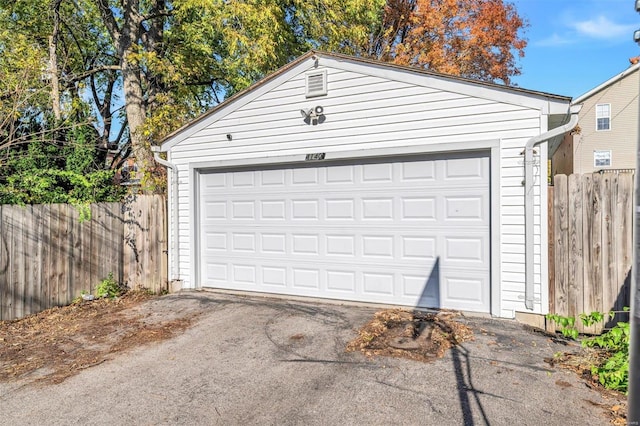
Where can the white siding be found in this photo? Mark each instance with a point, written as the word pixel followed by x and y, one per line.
pixel 364 112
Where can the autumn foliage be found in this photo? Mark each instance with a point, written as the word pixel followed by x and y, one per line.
pixel 473 38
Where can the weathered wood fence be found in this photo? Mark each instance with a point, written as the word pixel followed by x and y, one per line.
pixel 49 255
pixel 590 245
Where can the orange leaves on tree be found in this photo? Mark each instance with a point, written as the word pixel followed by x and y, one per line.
pixel 472 38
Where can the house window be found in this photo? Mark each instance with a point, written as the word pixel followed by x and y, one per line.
pixel 603 117
pixel 601 159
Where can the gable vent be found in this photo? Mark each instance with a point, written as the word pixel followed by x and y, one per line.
pixel 316 83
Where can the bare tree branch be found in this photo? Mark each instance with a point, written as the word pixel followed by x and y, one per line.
pixel 79 77
pixel 109 21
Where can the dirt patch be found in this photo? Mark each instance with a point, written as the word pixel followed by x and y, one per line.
pixel 580 362
pixel 60 342
pixel 414 335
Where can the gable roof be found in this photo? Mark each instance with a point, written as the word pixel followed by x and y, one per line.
pixel 547 102
pixel 606 84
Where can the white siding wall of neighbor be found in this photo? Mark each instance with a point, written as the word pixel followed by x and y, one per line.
pixel 365 112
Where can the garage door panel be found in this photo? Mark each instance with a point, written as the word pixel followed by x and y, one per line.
pixel 272 210
pixel 468 250
pixel 421 208
pixel 216 273
pixel 340 245
pixel 215 241
pixel 430 286
pixel 391 231
pixel 214 182
pixel 307 278
pixel 272 178
pixel 468 169
pixel 464 289
pixel 339 209
pixel 305 209
pixel 418 247
pixel 398 246
pixel 274 243
pixel 244 273
pixel 305 244
pixel 377 173
pixel 418 171
pixel 215 210
pixel 337 175
pixel 243 179
pixel 273 276
pixel 341 281
pixel 304 176
pixel 243 242
pixel 461 209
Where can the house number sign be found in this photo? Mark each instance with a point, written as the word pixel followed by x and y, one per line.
pixel 315 156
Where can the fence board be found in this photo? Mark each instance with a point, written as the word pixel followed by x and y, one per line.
pixel 48 255
pixel 552 267
pixel 18 276
pixel 35 252
pixel 592 244
pixel 62 254
pixel 129 249
pixel 561 239
pixel 609 286
pixel 575 275
pixel 69 214
pixel 4 262
pixel 624 243
pixel 45 234
pixel 597 255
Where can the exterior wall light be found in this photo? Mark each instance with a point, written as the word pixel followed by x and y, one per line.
pixel 313 116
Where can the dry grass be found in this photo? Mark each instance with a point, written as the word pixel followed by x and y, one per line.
pixel 580 362
pixel 60 342
pixel 414 335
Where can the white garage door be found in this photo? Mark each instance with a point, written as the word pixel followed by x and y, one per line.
pixel 402 231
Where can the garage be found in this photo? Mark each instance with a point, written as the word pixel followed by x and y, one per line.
pixel 345 178
pixel 401 231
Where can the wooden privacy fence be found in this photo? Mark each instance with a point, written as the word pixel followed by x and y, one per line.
pixel 590 245
pixel 49 255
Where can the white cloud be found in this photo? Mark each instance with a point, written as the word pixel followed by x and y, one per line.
pixel 601 27
pixel 554 40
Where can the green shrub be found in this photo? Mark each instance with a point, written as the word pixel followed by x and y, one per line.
pixel 109 287
pixel 613 371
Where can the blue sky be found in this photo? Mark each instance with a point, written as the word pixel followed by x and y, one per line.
pixel 575 45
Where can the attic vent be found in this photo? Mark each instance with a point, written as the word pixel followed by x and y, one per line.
pixel 316 83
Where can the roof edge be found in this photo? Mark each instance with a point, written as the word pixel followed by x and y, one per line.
pixel 236 96
pixel 172 138
pixel 606 84
pixel 441 75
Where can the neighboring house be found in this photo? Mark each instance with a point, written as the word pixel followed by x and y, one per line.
pixel 351 179
pixel 608 124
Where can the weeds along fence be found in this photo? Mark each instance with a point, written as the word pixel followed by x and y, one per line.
pixel 50 254
pixel 590 245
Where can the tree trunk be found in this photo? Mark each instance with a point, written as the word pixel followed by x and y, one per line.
pixel 136 112
pixel 126 33
pixel 53 61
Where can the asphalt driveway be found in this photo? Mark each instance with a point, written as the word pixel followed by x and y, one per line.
pixel 258 360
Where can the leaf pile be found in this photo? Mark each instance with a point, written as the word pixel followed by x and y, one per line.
pixel 418 336
pixel 60 342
